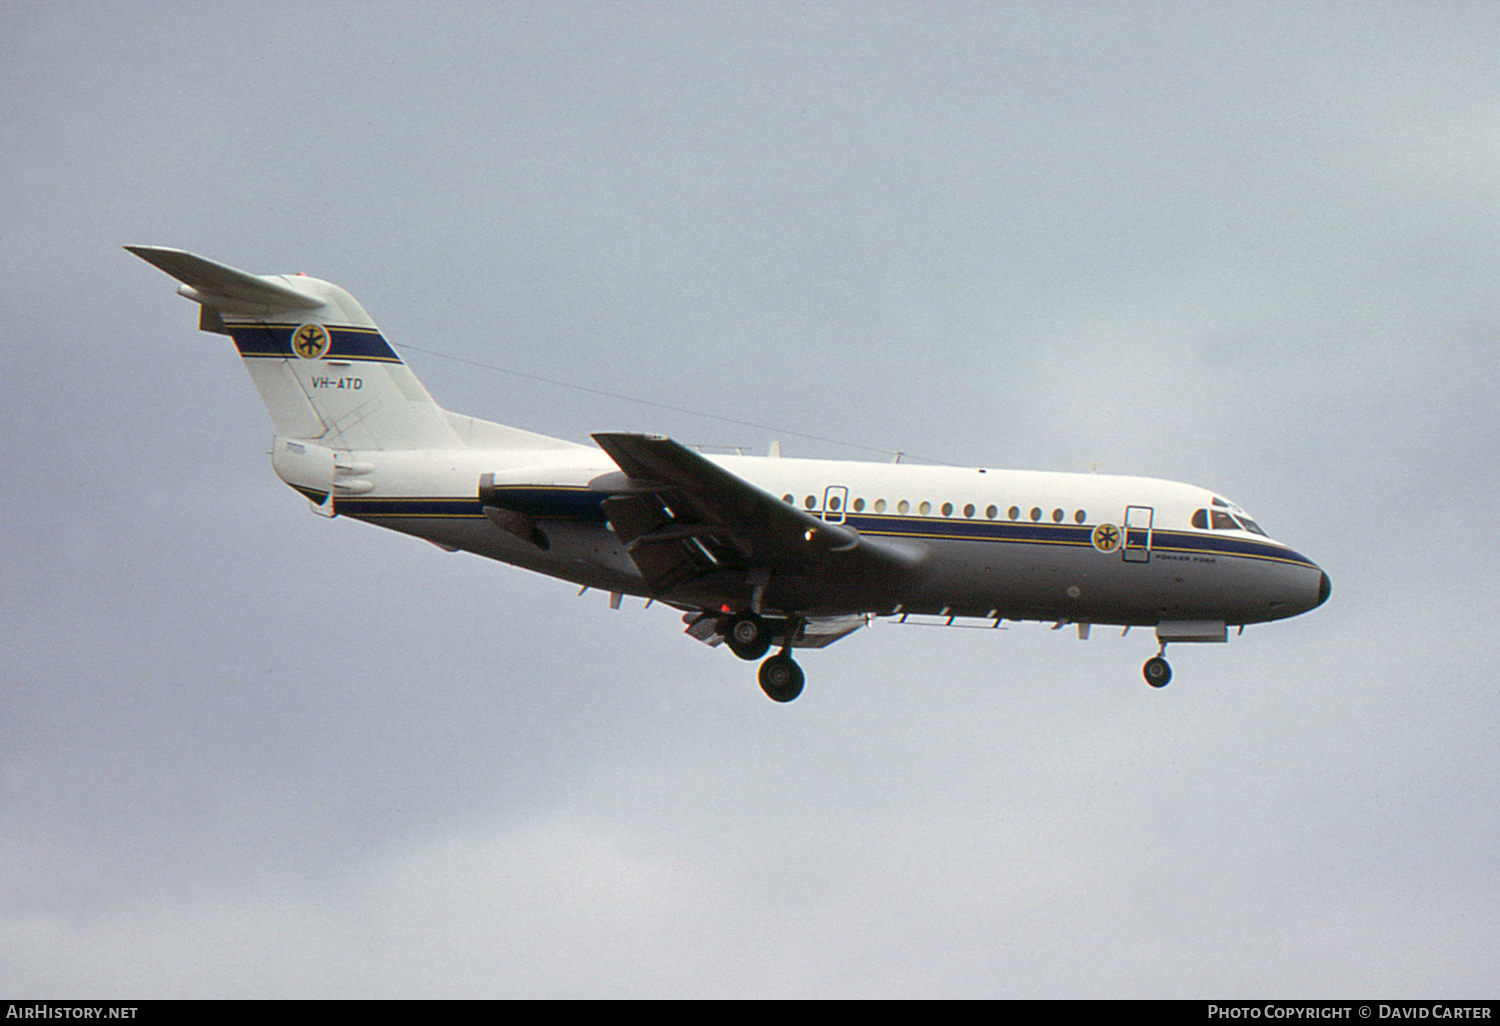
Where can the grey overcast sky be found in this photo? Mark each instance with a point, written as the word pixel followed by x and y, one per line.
pixel 248 752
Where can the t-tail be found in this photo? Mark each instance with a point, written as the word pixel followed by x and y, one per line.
pixel 326 373
pixel 331 382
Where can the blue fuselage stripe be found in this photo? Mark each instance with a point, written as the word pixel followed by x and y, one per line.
pixel 581 504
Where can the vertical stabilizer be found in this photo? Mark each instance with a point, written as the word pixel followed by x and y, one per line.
pixel 322 367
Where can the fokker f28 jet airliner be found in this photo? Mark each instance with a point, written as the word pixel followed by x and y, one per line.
pixel 758 552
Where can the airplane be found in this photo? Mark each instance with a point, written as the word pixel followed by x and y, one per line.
pixel 757 552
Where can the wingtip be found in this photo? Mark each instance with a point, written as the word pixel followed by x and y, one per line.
pixel 157 256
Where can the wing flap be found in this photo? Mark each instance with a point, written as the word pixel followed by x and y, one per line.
pixel 682 517
pixel 760 521
pixel 665 562
pixel 816 632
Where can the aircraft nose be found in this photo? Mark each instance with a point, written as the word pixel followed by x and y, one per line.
pixel 1325 588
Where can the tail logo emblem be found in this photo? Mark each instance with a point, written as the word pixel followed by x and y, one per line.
pixel 311 341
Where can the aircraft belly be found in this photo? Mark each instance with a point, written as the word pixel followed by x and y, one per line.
pixel 824 596
pixel 1080 584
pixel 581 553
pixel 1012 580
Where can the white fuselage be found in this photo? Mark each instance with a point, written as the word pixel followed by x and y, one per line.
pixel 985 543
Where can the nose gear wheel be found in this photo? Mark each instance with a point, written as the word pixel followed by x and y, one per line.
pixel 1156 671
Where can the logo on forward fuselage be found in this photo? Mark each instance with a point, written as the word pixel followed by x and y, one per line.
pixel 1106 537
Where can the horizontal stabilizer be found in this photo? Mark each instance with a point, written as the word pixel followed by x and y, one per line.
pixel 225 288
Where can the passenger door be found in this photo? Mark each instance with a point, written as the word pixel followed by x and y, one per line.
pixel 1137 547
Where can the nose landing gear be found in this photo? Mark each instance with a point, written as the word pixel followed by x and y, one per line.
pixel 1156 671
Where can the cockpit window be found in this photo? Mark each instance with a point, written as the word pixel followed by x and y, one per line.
pixel 1251 525
pixel 1221 521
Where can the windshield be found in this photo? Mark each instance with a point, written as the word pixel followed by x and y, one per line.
pixel 1227 517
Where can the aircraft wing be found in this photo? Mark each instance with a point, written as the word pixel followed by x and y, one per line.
pixel 682 516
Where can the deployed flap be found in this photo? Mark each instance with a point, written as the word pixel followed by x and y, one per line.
pixel 764 528
pixel 687 516
pixel 816 632
pixel 822 631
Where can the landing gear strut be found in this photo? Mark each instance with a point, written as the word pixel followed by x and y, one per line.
pixel 1156 671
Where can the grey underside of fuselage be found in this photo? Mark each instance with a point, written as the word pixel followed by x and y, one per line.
pixel 988 579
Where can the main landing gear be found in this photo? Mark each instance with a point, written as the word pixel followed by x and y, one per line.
pixel 781 678
pixel 749 637
pixel 1156 671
